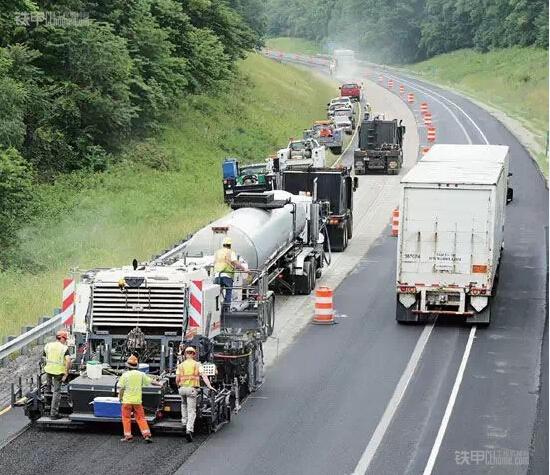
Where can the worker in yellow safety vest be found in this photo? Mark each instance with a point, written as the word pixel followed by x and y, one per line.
pixel 225 263
pixel 58 364
pixel 188 377
pixel 130 386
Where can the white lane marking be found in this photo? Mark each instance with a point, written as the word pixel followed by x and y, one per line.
pixel 393 404
pixel 352 137
pixel 483 136
pixel 411 85
pixel 450 404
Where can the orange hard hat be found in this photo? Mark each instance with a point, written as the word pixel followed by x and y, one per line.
pixel 132 360
pixel 62 334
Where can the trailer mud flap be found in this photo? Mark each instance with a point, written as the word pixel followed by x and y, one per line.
pixel 404 314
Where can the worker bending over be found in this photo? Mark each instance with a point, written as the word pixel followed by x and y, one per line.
pixel 131 385
pixel 225 263
pixel 58 364
pixel 188 380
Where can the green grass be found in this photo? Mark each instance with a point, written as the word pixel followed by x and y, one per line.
pixel 104 220
pixel 293 45
pixel 514 80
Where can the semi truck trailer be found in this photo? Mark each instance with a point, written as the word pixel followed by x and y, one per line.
pixel 452 214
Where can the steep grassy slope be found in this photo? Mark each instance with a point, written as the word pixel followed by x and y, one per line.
pixel 107 219
pixel 514 80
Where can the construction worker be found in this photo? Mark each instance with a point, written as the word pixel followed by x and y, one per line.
pixel 58 364
pixel 130 386
pixel 188 377
pixel 368 111
pixel 225 263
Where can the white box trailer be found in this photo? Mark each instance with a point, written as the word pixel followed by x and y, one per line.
pixel 472 153
pixel 450 237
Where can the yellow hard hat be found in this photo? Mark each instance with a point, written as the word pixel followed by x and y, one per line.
pixel 190 349
pixel 227 241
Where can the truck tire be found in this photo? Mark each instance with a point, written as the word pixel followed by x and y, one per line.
pixel 302 283
pixel 336 150
pixel 349 225
pixel 313 273
pixel 341 240
pixel 404 315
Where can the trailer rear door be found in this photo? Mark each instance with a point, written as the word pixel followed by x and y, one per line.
pixel 446 236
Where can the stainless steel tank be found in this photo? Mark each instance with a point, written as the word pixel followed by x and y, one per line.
pixel 258 235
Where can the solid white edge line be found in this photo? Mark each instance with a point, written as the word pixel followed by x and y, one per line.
pixel 393 404
pixel 418 88
pixel 450 405
pixel 483 136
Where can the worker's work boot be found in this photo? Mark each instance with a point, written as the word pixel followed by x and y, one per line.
pixel 127 439
pixel 189 436
pixel 148 440
pixel 55 417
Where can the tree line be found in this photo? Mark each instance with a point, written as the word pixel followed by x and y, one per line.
pixel 403 31
pixel 79 79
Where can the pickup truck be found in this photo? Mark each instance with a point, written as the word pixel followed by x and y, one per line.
pixel 351 90
pixel 328 134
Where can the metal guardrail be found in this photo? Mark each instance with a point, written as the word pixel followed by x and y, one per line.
pixel 34 334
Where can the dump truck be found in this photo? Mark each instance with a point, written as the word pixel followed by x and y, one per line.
pixel 155 309
pixel 245 178
pixel 328 134
pixel 334 188
pixel 451 225
pixel 380 147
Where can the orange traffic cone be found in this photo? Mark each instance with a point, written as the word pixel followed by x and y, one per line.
pixel 324 310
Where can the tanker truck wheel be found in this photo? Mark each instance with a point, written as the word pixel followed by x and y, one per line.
pixel 302 283
pixel 350 226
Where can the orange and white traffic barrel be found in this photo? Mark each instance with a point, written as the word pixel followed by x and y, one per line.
pixel 324 308
pixel 395 222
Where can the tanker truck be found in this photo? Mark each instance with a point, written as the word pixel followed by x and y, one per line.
pixel 155 309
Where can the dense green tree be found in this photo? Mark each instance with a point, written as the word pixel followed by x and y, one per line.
pixel 16 196
pixel 410 30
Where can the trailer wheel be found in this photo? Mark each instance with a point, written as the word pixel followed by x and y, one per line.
pixel 313 272
pixel 302 283
pixel 404 315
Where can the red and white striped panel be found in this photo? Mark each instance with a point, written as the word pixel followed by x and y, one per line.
pixel 410 97
pixel 195 308
pixel 401 89
pixel 69 289
pixel 428 118
pixel 431 134
pixel 390 83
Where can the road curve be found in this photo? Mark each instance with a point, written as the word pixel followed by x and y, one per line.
pixel 368 394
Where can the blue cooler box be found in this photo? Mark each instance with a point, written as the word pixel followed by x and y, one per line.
pixel 107 407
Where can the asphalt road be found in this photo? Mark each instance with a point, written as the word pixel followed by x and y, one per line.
pixel 368 393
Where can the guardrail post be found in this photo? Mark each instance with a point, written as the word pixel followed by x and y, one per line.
pixel 12 393
pixel 41 340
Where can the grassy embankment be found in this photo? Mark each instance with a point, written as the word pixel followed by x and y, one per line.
pixel 131 211
pixel 293 45
pixel 513 80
